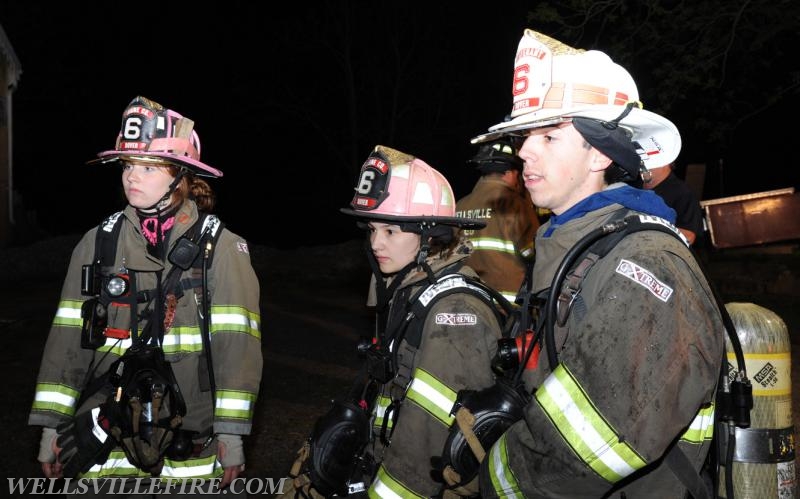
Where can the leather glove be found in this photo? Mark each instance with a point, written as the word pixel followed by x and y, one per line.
pixel 298 487
pixel 83 442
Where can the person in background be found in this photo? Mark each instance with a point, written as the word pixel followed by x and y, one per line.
pixel 501 250
pixel 153 362
pixel 677 194
pixel 624 374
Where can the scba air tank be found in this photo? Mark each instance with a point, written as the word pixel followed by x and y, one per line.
pixel 764 455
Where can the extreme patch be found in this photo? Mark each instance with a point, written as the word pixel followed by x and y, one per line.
pixel 456 319
pixel 642 276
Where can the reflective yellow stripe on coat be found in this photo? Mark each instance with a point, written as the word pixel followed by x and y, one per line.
pixel 117 465
pixel 702 427
pixel 54 397
pixel 388 487
pixel 432 395
pixel 584 429
pixel 503 480
pixel 228 318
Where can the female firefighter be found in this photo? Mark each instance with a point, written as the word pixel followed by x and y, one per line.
pixel 436 334
pixel 153 362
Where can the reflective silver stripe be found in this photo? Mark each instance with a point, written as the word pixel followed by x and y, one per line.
pixel 702 426
pixel 68 313
pixel 117 465
pixel 55 397
pixel 234 404
pixel 584 429
pixel 381 404
pixel 226 318
pixel 493 244
pixel 432 395
pixel 388 487
pixel 503 481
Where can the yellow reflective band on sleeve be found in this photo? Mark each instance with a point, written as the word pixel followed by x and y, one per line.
pixel 381 404
pixel 68 314
pixel 432 395
pixel 702 427
pixel 54 397
pixel 503 480
pixel 234 404
pixel 492 244
pixel 183 339
pixel 584 428
pixel 227 318
pixel 386 486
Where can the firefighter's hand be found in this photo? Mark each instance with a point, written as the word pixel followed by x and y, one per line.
pixel 48 454
pixel 230 452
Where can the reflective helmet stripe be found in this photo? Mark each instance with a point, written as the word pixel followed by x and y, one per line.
pixel 432 395
pixel 584 428
pixel 55 397
pixel 234 404
pixel 503 480
pixel 702 427
pixel 387 486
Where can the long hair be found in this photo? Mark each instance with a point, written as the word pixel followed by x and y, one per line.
pixel 192 187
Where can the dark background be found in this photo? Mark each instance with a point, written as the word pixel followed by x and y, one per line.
pixel 289 100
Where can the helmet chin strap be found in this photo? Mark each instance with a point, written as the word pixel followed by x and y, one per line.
pixel 162 203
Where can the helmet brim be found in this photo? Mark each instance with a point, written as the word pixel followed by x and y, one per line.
pixel 463 223
pixel 657 136
pixel 197 167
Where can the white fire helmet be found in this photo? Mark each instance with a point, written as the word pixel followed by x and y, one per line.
pixel 553 81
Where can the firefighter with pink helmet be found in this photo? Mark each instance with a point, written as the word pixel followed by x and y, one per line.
pixel 436 331
pixel 153 362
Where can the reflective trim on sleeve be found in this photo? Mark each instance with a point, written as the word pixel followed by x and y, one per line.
pixel 381 404
pixel 55 397
pixel 388 487
pixel 432 395
pixel 234 404
pixel 702 427
pixel 584 429
pixel 502 477
pixel 183 339
pixel 68 314
pixel 230 318
pixel 493 244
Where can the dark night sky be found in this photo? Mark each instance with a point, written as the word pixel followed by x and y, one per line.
pixel 269 95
